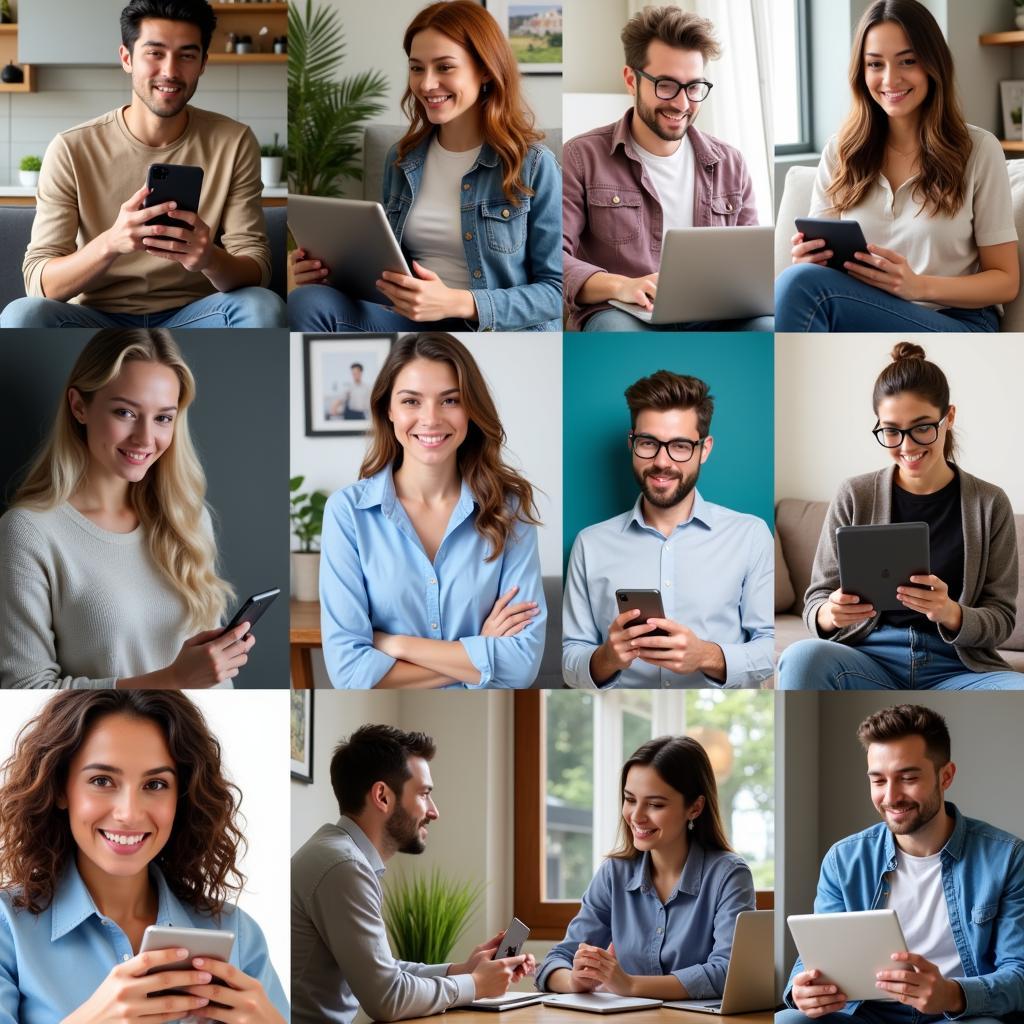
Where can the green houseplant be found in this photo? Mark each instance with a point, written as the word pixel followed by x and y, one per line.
pixel 28 171
pixel 272 156
pixel 325 115
pixel 306 513
pixel 427 915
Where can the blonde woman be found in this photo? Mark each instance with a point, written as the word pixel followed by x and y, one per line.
pixel 107 558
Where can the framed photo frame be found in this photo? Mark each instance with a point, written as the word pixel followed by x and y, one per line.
pixel 302 735
pixel 1012 93
pixel 340 371
pixel 534 31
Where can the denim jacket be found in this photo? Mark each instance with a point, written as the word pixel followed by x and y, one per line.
pixel 513 252
pixel 983 879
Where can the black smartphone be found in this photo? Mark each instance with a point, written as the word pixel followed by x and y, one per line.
pixel 251 611
pixel 180 183
pixel 649 603
pixel 843 237
pixel 513 940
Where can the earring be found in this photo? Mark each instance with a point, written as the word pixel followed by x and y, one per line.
pixel 689 825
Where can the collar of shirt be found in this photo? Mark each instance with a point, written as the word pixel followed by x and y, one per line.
pixel 702 513
pixel 363 844
pixel 689 880
pixel 414 159
pixel 73 904
pixel 705 152
pixel 954 844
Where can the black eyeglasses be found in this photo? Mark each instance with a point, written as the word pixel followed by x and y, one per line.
pixel 668 88
pixel 922 433
pixel 680 449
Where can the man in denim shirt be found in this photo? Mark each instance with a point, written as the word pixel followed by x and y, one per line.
pixel 626 184
pixel 956 884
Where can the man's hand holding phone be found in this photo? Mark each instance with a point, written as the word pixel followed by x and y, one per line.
pixel 191 245
pixel 617 652
pixel 128 233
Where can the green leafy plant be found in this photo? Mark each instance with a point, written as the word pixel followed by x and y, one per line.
pixel 5 11
pixel 325 115
pixel 273 148
pixel 30 163
pixel 306 513
pixel 426 915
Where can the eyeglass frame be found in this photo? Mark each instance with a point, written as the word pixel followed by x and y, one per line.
pixel 633 435
pixel 683 86
pixel 878 429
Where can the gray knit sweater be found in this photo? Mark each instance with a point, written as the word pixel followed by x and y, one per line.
pixel 989 598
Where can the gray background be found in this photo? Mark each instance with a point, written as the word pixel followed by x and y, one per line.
pixel 239 424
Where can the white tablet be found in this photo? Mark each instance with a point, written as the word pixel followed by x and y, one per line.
pixel 849 949
pixel 599 1002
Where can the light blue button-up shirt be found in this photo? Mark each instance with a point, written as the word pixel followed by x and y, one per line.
pixel 688 936
pixel 375 574
pixel 716 574
pixel 51 963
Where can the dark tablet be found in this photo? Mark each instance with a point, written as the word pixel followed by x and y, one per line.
pixel 843 237
pixel 875 560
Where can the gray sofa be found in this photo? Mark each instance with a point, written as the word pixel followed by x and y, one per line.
pixel 16 229
pixel 797 529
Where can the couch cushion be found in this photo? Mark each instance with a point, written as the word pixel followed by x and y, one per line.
pixel 798 525
pixel 784 595
pixel 788 629
pixel 550 675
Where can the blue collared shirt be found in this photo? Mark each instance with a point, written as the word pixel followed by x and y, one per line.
pixel 983 881
pixel 51 963
pixel 716 576
pixel 375 574
pixel 688 936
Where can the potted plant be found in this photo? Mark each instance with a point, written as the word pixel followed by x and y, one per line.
pixel 307 516
pixel 28 171
pixel 1019 20
pixel 6 18
pixel 325 114
pixel 272 163
pixel 426 915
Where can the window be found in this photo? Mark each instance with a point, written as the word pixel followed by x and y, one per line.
pixel 791 51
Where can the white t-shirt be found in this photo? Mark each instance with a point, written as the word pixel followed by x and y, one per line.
pixel 433 229
pixel 673 180
pixel 940 245
pixel 916 895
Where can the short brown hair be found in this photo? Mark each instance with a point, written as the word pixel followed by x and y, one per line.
pixel 903 720
pixel 675 27
pixel 666 390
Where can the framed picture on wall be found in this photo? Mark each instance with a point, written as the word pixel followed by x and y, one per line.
pixel 302 735
pixel 534 32
pixel 340 371
pixel 1013 109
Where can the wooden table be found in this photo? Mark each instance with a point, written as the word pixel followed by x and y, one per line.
pixel 539 1014
pixel 303 636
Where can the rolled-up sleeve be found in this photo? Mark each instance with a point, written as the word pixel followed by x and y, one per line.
pixel 243 230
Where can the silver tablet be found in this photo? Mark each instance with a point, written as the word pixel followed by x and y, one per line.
pixel 875 560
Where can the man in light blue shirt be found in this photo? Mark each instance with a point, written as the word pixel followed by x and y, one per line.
pixel 714 567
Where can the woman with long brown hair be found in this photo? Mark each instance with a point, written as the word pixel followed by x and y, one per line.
pixel 930 193
pixel 422 558
pixel 657 921
pixel 473 198
pixel 115 815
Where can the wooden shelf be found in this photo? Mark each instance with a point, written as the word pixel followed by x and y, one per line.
pixel 8 28
pixel 247 58
pixel 9 53
pixel 1015 38
pixel 1014 146
pixel 29 85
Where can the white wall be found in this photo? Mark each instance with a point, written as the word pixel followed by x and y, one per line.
pixel 823 416
pixel 593 49
pixel 258 769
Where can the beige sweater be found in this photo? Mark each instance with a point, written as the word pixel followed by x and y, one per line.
pixel 89 171
pixel 81 607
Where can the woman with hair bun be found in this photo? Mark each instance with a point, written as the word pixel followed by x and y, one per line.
pixel 658 919
pixel 108 573
pixel 930 192
pixel 472 197
pixel 115 814
pixel 953 621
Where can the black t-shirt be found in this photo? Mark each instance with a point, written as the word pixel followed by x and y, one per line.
pixel 941 511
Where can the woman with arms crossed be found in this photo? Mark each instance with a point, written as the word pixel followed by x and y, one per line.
pixel 658 919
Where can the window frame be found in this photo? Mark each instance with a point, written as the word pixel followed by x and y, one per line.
pixel 805 144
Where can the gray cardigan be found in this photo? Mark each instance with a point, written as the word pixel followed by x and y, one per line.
pixel 989 598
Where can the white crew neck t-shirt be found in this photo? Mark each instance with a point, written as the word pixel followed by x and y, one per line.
pixel 673 180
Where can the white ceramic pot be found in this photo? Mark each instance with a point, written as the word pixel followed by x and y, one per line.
pixel 1020 18
pixel 30 179
pixel 271 169
pixel 305 575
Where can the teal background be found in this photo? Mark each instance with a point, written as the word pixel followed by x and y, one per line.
pixel 597 475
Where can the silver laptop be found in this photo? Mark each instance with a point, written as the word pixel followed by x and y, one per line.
pixel 750 979
pixel 712 274
pixel 351 237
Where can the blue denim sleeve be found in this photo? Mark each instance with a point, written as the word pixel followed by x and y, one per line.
pixel 353 663
pixel 748 663
pixel 511 309
pixel 581 635
pixel 254 959
pixel 512 662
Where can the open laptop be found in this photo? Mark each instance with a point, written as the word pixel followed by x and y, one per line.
pixel 750 979
pixel 712 274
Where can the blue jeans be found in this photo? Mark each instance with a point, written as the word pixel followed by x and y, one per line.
pixel 813 298
pixel 618 321
pixel 320 309
pixel 874 1012
pixel 244 307
pixel 887 659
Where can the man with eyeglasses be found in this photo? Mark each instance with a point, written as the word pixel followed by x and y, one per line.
pixel 714 567
pixel 626 184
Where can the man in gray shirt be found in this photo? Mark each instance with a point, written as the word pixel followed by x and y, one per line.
pixel 341 958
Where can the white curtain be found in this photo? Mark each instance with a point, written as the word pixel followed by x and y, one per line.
pixel 738 111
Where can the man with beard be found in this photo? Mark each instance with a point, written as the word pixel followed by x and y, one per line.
pixel 96 259
pixel 714 567
pixel 956 884
pixel 341 959
pixel 625 184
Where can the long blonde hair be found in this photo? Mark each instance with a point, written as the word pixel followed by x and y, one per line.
pixel 169 498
